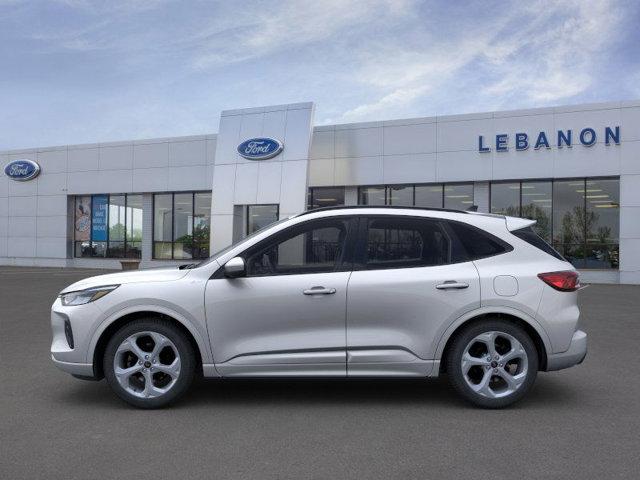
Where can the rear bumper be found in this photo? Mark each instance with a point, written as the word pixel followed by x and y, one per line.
pixel 573 356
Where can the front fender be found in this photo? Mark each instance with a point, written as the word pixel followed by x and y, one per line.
pixel 198 332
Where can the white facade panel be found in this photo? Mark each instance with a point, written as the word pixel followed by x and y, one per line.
pixel 83 159
pixel 51 205
pixel 408 139
pixel 188 153
pixel 22 206
pixel 151 155
pixel 22 227
pixel 53 161
pixel 358 142
pixel 52 184
pixel 117 157
pixel 406 168
pixel 359 171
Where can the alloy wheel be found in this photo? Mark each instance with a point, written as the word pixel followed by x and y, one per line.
pixel 147 364
pixel 494 364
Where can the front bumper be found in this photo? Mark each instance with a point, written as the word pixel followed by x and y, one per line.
pixel 75 369
pixel 573 356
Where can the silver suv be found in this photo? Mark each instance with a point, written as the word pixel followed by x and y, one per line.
pixel 337 292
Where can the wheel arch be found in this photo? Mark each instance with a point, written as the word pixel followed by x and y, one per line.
pixel 110 327
pixel 532 327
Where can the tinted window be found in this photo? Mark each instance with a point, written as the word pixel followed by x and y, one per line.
pixel 313 248
pixel 405 242
pixel 476 243
pixel 528 235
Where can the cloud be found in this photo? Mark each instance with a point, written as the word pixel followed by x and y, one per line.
pixel 541 53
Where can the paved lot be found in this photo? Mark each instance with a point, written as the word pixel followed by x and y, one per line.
pixel 581 423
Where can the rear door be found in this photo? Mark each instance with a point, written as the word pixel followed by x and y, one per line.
pixel 403 292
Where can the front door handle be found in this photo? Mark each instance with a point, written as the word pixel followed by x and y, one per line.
pixel 452 285
pixel 319 291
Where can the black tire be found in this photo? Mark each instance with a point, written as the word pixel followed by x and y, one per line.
pixel 454 362
pixel 181 343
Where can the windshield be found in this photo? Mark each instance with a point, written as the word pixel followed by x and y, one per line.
pixel 219 253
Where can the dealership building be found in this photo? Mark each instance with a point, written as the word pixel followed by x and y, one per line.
pixel 575 169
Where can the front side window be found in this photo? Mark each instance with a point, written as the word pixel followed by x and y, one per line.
pixel 315 247
pixel 405 243
pixel 108 226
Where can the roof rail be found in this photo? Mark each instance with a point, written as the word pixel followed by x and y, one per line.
pixel 396 207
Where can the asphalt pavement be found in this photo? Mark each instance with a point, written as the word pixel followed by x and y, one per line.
pixel 581 423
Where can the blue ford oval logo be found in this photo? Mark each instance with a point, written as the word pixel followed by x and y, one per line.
pixel 260 148
pixel 22 170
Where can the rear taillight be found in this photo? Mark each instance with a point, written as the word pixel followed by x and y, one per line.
pixel 567 281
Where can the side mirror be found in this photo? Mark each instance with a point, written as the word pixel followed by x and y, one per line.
pixel 234 268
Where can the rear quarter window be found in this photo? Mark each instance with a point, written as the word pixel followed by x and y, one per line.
pixel 473 243
pixel 531 237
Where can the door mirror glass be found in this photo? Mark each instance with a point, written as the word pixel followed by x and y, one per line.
pixel 234 268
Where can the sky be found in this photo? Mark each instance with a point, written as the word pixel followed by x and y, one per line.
pixel 80 71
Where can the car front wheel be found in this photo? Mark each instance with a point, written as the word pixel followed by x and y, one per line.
pixel 149 363
pixel 492 363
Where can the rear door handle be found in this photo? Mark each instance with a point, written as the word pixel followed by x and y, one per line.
pixel 319 291
pixel 452 285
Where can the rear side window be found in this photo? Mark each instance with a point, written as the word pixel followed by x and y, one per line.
pixel 404 242
pixel 473 243
pixel 531 237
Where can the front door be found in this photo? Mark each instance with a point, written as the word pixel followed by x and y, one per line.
pixel 287 315
pixel 404 289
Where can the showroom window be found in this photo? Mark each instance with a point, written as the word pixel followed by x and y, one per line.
pixel 108 226
pixel 579 217
pixel 260 216
pixel 181 225
pixel 319 197
pixel 458 196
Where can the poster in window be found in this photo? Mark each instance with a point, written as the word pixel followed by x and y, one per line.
pixel 83 219
pixel 99 218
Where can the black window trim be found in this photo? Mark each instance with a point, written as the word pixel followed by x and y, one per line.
pixel 346 266
pixel 361 242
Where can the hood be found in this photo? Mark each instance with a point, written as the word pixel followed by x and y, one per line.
pixel 133 276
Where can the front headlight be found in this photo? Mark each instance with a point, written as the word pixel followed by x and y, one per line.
pixel 81 297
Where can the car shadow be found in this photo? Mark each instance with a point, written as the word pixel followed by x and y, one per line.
pixel 547 392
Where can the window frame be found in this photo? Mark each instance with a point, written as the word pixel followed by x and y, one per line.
pixel 291 232
pixel 173 209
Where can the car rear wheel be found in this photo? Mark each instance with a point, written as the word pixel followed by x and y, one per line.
pixel 492 363
pixel 149 363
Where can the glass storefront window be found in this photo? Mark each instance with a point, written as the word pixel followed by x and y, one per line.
pixel 181 225
pixel 108 226
pixel 505 198
pixel 536 203
pixel 260 216
pixel 458 196
pixel 201 224
pixel 602 223
pixel 162 225
pixel 401 195
pixel 134 226
pixel 325 197
pixel 371 196
pixel 428 196
pixel 569 220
